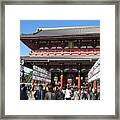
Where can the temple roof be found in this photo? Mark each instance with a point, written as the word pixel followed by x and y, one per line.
pixel 28 58
pixel 62 31
pixel 84 62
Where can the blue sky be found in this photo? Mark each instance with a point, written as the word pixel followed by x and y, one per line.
pixel 29 26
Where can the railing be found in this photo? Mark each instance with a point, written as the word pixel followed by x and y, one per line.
pixel 66 52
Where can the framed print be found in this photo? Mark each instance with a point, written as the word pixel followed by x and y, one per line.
pixel 59 60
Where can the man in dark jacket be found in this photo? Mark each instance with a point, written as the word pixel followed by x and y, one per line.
pixel 59 94
pixel 23 92
pixel 40 94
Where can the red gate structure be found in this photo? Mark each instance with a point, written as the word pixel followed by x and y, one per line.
pixel 64 51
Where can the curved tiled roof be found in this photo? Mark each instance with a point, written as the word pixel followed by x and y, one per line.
pixel 79 30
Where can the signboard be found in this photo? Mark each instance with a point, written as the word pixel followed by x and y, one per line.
pixel 41 74
pixel 94 73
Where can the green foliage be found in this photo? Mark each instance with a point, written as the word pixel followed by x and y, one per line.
pixel 28 77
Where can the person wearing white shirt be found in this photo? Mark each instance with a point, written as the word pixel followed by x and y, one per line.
pixel 68 94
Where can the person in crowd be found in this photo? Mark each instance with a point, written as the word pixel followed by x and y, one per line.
pixel 63 90
pixel 76 94
pixel 23 92
pixel 54 93
pixel 85 95
pixel 82 94
pixel 96 96
pixel 59 94
pixel 88 94
pixel 50 95
pixel 29 91
pixel 45 88
pixel 35 95
pixel 72 93
pixel 40 94
pixel 68 93
pixel 91 94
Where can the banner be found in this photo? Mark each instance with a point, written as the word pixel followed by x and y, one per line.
pixel 41 74
pixel 94 73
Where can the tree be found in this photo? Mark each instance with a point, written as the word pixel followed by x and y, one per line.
pixel 28 77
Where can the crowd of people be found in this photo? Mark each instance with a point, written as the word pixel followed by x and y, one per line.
pixel 57 93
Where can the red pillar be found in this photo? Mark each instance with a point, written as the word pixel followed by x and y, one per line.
pixel 95 85
pixel 61 78
pixel 79 81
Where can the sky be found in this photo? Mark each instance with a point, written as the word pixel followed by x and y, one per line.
pixel 30 26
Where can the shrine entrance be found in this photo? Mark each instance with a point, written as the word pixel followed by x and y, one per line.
pixel 70 78
pixel 65 77
pixel 55 78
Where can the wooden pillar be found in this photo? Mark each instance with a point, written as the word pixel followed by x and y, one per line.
pixel 79 80
pixel 61 78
